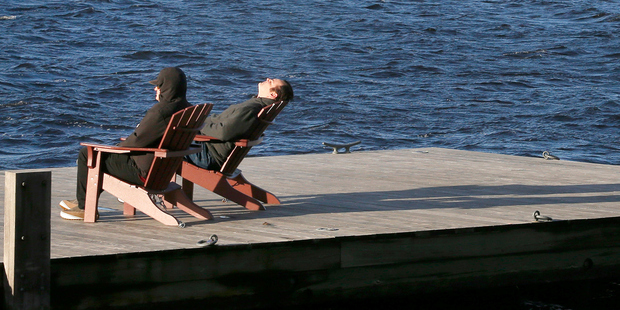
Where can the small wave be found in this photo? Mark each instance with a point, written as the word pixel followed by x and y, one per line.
pixel 146 55
pixel 374 7
pixel 612 18
pixel 8 17
pixel 13 104
pixel 50 132
pixel 150 5
pixel 562 118
pixel 131 72
pixel 25 65
pixel 614 55
pixel 520 84
pixel 386 74
pixel 538 51
pixel 81 13
pixel 421 68
pixel 141 55
pixel 596 15
pixel 527 54
pixel 7 84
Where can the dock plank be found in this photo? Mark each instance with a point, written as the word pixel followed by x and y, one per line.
pixel 359 224
pixel 361 193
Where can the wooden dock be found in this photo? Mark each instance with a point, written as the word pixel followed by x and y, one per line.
pixel 382 222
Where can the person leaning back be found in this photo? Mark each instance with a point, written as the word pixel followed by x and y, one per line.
pixel 235 123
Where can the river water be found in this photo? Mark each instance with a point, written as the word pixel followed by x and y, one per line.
pixel 514 77
pixel 510 77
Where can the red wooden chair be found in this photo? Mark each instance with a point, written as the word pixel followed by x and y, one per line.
pixel 175 143
pixel 229 182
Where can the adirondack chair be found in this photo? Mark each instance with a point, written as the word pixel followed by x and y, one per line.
pixel 229 182
pixel 158 188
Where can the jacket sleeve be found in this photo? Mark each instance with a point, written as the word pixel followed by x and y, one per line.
pixel 148 132
pixel 232 124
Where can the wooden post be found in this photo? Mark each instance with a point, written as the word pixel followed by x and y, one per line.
pixel 27 210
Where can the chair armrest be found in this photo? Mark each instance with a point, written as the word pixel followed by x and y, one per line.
pixel 202 138
pixel 92 158
pixel 240 142
pixel 163 153
pixel 248 142
pixel 119 149
pixel 106 148
pixel 166 154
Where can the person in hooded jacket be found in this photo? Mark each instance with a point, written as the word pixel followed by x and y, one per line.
pixel 235 122
pixel 170 90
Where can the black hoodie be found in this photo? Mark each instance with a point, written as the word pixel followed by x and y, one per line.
pixel 173 86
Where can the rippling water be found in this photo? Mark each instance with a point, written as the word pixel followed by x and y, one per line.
pixel 510 77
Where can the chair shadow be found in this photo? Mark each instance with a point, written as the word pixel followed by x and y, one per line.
pixel 465 197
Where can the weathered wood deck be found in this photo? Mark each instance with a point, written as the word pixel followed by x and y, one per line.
pixel 477 204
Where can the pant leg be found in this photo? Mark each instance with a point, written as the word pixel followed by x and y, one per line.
pixel 203 159
pixel 118 165
pixel 122 167
pixel 82 177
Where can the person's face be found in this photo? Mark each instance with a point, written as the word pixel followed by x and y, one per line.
pixel 265 88
pixel 157 93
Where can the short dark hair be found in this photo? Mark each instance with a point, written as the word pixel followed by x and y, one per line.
pixel 285 92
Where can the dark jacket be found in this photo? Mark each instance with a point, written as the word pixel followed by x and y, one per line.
pixel 173 85
pixel 233 123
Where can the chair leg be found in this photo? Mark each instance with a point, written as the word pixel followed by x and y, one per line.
pixel 225 190
pixel 93 188
pixel 216 182
pixel 188 188
pixel 128 209
pixel 243 185
pixel 138 198
pixel 166 202
pixel 178 198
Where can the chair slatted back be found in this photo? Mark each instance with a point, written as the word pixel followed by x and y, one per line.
pixel 181 130
pixel 265 117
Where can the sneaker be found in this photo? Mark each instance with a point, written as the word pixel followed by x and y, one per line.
pixel 74 213
pixel 68 204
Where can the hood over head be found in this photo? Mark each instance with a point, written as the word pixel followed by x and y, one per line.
pixel 172 84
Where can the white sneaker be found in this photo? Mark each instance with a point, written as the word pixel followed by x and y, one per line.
pixel 72 214
pixel 68 204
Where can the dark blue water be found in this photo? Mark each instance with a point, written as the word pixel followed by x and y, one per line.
pixel 509 77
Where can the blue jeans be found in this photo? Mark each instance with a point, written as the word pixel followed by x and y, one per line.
pixel 203 159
